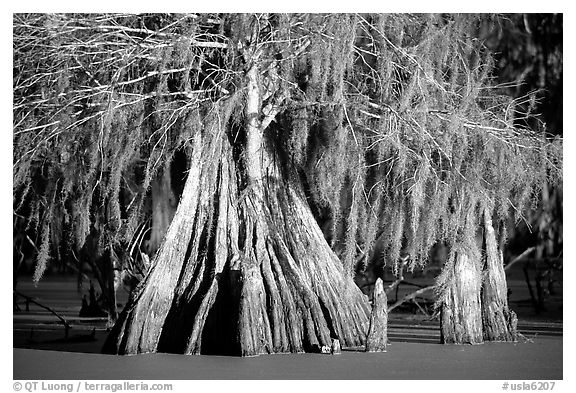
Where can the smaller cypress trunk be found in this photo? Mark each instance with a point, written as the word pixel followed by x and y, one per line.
pixel 498 321
pixel 103 266
pixel 377 337
pixel 461 317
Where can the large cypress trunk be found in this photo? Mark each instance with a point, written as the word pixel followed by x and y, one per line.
pixel 498 321
pixel 244 268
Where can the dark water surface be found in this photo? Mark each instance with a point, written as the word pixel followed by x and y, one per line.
pixel 41 352
pixel 541 359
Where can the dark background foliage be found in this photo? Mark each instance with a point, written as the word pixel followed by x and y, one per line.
pixel 528 52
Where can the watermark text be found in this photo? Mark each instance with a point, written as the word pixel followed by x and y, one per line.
pixel 84 386
pixel 528 385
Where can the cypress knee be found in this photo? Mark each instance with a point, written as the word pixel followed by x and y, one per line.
pixel 377 337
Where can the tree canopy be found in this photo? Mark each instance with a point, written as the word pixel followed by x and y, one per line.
pixel 395 123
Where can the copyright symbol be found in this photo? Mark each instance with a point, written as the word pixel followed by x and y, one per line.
pixel 17 386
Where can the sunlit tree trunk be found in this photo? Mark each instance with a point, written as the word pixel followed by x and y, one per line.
pixel 498 321
pixel 460 316
pixel 244 268
pixel 474 304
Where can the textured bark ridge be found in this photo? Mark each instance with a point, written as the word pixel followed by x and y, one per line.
pixel 241 272
pixel 460 316
pixel 377 337
pixel 499 323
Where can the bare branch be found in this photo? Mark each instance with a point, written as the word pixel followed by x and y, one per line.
pixel 411 296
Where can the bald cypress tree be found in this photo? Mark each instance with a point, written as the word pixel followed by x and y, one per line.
pixel 385 123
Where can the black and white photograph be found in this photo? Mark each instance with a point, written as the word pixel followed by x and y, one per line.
pixel 295 196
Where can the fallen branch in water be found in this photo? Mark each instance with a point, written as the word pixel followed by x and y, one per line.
pixel 410 296
pixel 60 317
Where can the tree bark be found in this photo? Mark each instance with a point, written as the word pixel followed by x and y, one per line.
pixel 498 321
pixel 460 316
pixel 140 324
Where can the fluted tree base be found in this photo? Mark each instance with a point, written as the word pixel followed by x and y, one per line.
pixel 241 273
